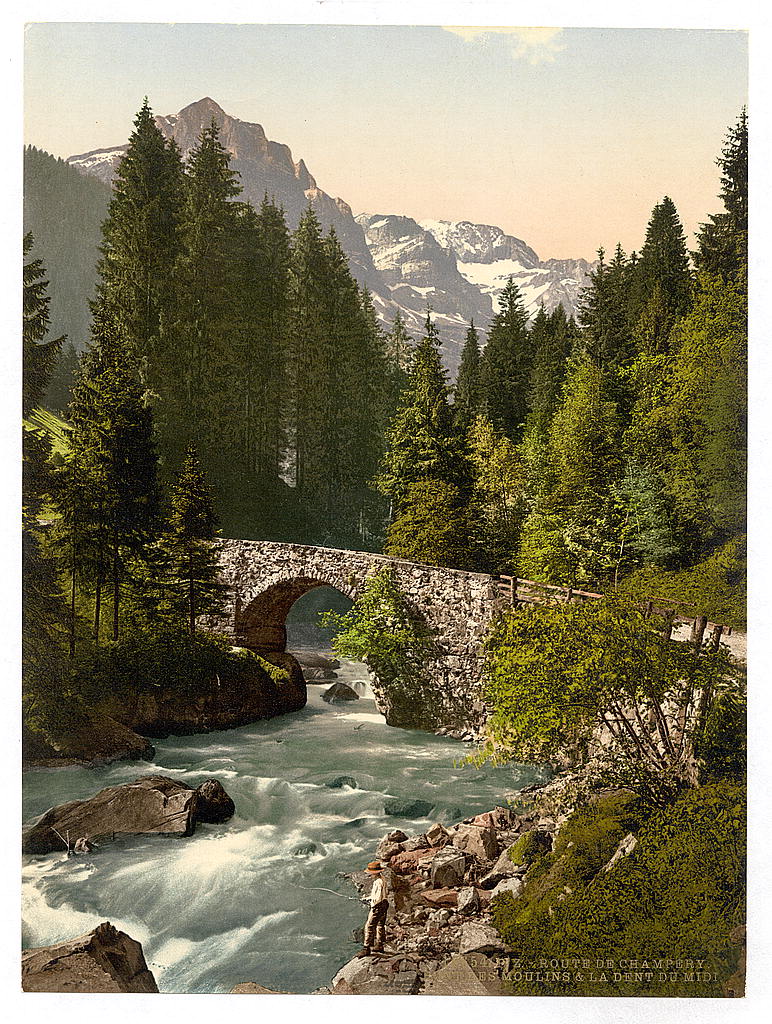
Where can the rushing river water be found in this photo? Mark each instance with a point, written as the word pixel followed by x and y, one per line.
pixel 241 901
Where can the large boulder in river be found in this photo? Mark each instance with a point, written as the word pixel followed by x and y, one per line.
pixel 213 804
pixel 104 960
pixel 407 809
pixel 338 693
pixel 153 804
pixel 319 675
pixel 312 660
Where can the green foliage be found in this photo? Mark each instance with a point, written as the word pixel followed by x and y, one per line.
pixel 604 314
pixel 43 610
pixel 496 505
pixel 468 397
pixel 382 630
pixel 64 210
pixel 39 353
pixel 723 241
pixel 107 495
pixel 157 659
pixel 432 526
pixel 525 850
pixel 191 570
pixel 422 443
pixel 716 587
pixel 506 364
pixel 646 533
pixel 141 245
pixel 571 532
pixel 678 895
pixel 558 675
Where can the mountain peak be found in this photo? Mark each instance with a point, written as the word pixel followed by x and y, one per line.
pixel 202 108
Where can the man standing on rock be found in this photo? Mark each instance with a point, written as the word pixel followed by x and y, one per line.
pixel 375 928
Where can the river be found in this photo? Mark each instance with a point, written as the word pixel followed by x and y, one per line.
pixel 241 901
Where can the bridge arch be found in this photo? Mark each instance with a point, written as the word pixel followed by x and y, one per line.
pixel 261 624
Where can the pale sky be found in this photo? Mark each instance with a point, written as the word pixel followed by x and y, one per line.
pixel 564 138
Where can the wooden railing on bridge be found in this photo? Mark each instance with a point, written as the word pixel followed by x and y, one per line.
pixel 514 590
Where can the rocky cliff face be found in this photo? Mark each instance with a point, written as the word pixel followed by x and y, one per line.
pixel 487 257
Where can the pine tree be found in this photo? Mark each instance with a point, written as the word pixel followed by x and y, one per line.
pixel 552 338
pixel 192 556
pixel 141 246
pixel 43 611
pixel 646 532
pixel 496 507
pixel 723 240
pixel 400 344
pixel 431 527
pixel 662 270
pixel 468 396
pixel 112 461
pixel 39 355
pixel 604 311
pixel 706 412
pixel 208 273
pixel 267 365
pixel 309 357
pixel 506 364
pixel 422 443
pixel 57 396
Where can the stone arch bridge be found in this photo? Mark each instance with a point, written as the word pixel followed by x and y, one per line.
pixel 265 578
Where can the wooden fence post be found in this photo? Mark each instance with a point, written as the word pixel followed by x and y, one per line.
pixel 698 628
pixel 667 628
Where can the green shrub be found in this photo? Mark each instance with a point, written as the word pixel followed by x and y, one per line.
pixel 677 896
pixel 164 658
pixel 556 675
pixel 717 586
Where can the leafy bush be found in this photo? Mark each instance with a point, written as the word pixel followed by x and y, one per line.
pixel 559 677
pixel 169 658
pixel 677 896
pixel 383 631
pixel 717 586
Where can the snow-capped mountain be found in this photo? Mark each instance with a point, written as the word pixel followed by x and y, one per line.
pixel 488 258
pixel 459 268
pixel 456 268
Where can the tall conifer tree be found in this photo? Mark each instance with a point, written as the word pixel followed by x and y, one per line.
pixel 422 443
pixel 506 364
pixel 141 246
pixel 468 392
pixel 192 556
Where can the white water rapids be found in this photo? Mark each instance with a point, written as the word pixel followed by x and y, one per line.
pixel 236 902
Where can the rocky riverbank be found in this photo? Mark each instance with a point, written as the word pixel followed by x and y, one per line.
pixel 440 939
pixel 103 960
pixel 121 727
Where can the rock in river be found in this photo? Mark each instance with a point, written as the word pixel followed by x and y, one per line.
pixel 104 960
pixel 407 808
pixel 310 660
pixel 340 781
pixel 339 692
pixel 150 804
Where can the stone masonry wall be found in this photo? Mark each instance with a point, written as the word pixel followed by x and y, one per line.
pixel 264 578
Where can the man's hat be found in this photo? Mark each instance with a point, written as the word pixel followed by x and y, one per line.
pixel 375 867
